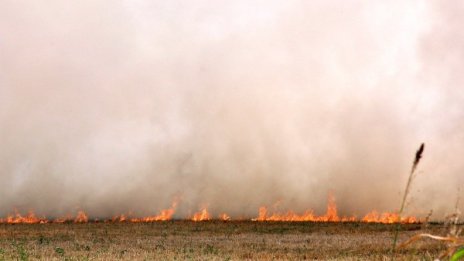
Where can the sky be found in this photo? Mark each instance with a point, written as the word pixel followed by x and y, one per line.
pixel 122 106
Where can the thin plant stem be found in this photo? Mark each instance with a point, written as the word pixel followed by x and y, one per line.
pixel 405 195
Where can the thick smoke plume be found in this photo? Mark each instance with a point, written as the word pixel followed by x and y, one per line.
pixel 118 106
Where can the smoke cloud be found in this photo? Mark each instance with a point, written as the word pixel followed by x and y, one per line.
pixel 118 106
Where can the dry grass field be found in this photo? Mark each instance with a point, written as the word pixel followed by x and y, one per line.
pixel 212 240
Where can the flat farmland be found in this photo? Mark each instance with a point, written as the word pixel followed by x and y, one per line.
pixel 213 240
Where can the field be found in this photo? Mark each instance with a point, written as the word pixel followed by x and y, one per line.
pixel 212 240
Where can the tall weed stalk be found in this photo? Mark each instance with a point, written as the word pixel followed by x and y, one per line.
pixel 405 195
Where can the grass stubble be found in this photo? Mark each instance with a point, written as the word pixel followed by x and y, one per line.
pixel 211 240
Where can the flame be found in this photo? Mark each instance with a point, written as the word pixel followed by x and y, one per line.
pixel 81 217
pixel 224 217
pixel 67 218
pixel 264 214
pixel 165 214
pixel 201 215
pixel 330 216
pixel 387 218
pixel 17 218
pixel 120 218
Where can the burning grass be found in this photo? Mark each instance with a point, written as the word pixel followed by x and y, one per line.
pixel 264 214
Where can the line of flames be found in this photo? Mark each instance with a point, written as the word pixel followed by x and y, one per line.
pixel 203 215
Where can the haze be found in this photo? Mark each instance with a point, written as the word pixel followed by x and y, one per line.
pixel 118 106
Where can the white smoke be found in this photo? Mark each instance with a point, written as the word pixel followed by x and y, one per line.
pixel 118 106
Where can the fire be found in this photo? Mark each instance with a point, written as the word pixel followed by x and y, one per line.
pixel 224 217
pixel 330 216
pixel 202 215
pixel 81 217
pixel 264 214
pixel 120 218
pixel 17 218
pixel 165 214
pixel 387 218
pixel 67 218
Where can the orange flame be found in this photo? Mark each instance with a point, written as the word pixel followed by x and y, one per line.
pixel 387 218
pixel 67 218
pixel 120 218
pixel 264 214
pixel 224 217
pixel 201 215
pixel 165 214
pixel 330 216
pixel 17 218
pixel 81 217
